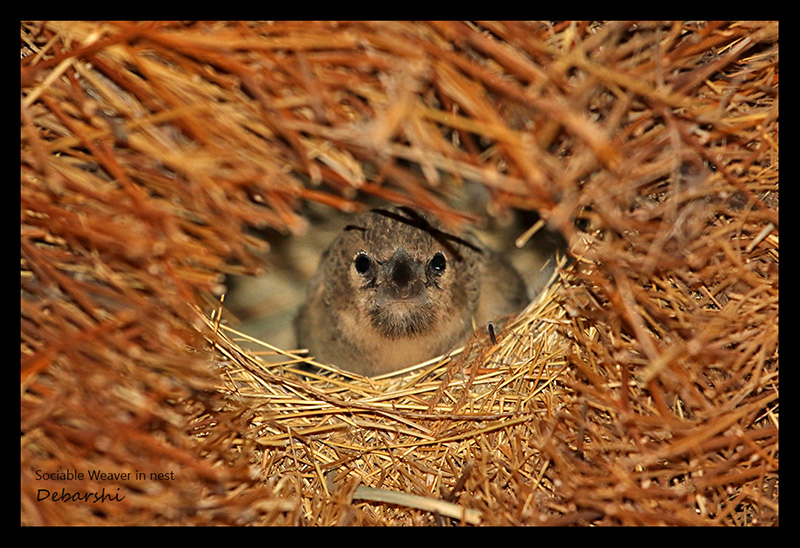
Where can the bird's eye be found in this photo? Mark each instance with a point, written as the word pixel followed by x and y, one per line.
pixel 362 263
pixel 438 262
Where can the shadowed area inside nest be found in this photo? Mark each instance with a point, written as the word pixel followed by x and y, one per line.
pixel 166 163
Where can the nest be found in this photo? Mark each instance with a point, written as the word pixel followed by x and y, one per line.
pixel 640 388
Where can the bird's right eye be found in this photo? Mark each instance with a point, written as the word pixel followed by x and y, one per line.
pixel 362 263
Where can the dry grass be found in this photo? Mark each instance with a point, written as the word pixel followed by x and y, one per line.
pixel 641 388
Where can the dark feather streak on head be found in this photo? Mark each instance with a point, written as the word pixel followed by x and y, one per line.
pixel 416 220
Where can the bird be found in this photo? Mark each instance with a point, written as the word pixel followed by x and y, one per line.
pixel 397 288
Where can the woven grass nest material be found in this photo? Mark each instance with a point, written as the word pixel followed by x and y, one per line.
pixel 640 388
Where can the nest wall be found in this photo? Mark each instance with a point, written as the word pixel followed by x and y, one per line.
pixel 640 388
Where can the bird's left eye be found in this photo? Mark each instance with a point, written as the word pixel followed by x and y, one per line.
pixel 438 263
